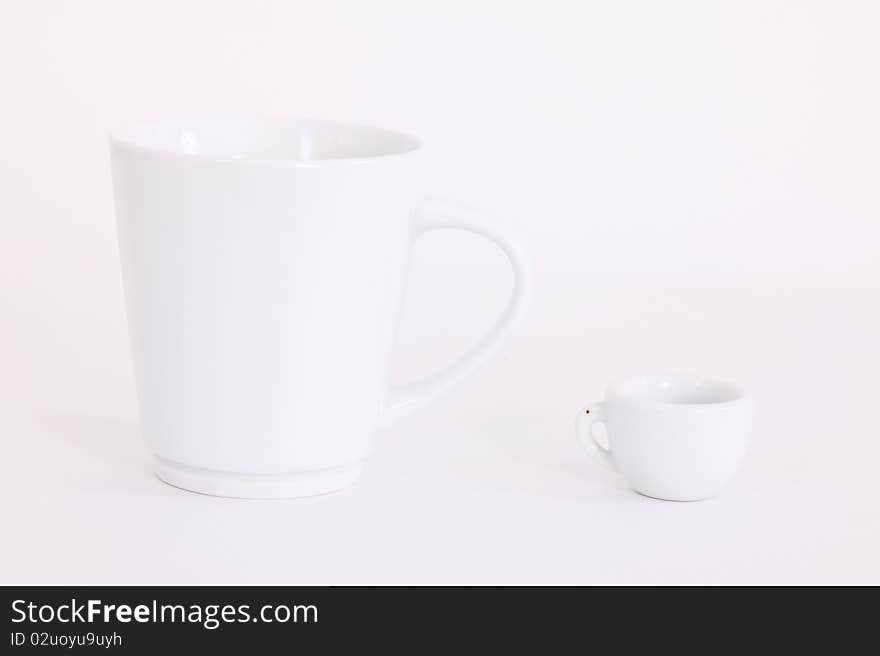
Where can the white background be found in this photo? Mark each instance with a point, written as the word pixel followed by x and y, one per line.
pixel 698 182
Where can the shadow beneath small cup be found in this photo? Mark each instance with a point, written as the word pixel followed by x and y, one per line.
pixel 525 452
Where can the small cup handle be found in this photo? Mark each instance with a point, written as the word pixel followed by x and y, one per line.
pixel 583 427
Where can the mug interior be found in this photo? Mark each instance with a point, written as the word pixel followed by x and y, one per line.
pixel 267 139
pixel 675 390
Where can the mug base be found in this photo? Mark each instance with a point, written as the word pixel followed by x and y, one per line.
pixel 256 486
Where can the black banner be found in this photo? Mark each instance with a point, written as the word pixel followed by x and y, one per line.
pixel 415 619
pixel 147 619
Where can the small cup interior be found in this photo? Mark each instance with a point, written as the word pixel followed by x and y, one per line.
pixel 266 139
pixel 675 390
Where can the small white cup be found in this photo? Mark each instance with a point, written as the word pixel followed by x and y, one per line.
pixel 679 438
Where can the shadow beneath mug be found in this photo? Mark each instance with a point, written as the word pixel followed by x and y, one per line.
pixel 109 440
pixel 525 452
pixel 79 451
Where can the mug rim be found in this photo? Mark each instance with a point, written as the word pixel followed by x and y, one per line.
pixel 135 138
pixel 733 393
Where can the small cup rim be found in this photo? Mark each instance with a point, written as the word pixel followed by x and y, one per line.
pixel 737 392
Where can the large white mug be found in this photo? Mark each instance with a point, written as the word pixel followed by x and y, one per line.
pixel 264 265
pixel 679 438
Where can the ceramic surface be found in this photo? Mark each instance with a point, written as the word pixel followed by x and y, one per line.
pixel 264 264
pixel 680 438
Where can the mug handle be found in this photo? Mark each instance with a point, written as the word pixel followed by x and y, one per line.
pixel 436 215
pixel 583 428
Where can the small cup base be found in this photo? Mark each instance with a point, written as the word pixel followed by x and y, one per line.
pixel 256 486
pixel 679 497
